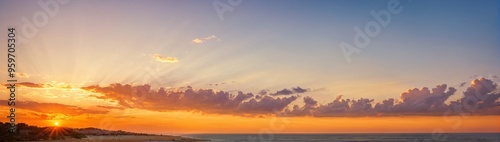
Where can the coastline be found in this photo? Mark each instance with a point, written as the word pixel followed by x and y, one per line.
pixel 130 138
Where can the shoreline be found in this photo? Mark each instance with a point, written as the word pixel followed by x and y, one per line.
pixel 130 138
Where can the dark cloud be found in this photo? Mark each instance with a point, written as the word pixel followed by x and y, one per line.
pixel 424 100
pixel 199 100
pixel 337 107
pixel 385 106
pixel 412 102
pixel 480 98
pixel 306 110
pixel 299 90
pixel 361 105
pixel 266 105
pixel 463 84
pixel 285 91
pixel 263 92
pixel 345 107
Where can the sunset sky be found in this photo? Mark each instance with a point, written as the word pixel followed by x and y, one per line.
pixel 176 67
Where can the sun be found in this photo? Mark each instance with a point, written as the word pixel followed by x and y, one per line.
pixel 56 123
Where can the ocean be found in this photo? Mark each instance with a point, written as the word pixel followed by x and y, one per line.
pixel 450 137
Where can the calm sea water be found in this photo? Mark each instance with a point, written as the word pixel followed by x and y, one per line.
pixel 463 137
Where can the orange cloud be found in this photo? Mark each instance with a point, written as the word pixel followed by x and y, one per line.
pixel 25 75
pixel 54 108
pixel 198 100
pixel 161 58
pixel 61 85
pixel 28 84
pixel 201 40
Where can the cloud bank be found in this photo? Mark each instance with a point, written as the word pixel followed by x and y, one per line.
pixel 197 100
pixel 481 97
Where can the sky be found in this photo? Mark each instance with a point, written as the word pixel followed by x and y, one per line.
pixel 178 67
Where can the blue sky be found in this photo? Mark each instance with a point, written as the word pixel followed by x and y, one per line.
pixel 263 45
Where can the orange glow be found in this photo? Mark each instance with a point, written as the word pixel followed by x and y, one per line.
pixel 185 123
pixel 181 122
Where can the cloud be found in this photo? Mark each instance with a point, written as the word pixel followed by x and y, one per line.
pixel 424 100
pixel 161 58
pixel 54 108
pixel 28 84
pixel 265 105
pixel 338 107
pixel 59 85
pixel 24 75
pixel 261 94
pixel 386 106
pixel 202 40
pixel 463 84
pixel 299 90
pixel 197 41
pixel 197 100
pixel 480 98
pixel 285 91
pixel 110 107
pixel 412 102
pixel 222 83
pixel 306 110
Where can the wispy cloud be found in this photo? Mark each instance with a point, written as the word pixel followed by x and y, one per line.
pixel 55 108
pixel 163 59
pixel 25 75
pixel 202 40
pixel 60 85
pixel 28 84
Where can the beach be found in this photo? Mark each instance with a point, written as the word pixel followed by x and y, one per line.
pixel 129 138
